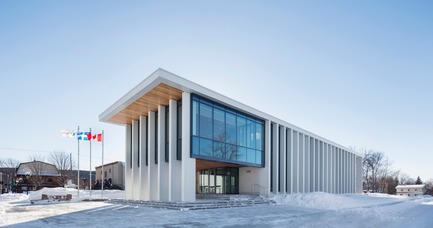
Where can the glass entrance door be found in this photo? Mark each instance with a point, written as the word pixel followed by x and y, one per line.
pixel 224 180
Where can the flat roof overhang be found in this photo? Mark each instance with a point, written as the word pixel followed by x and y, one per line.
pixel 155 90
pixel 159 95
pixel 161 86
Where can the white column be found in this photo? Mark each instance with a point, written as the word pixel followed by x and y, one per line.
pixel 295 173
pixel 174 166
pixel 334 155
pixel 188 171
pixel 128 169
pixel 162 163
pixel 289 161
pixel 351 172
pixel 153 168
pixel 346 173
pixel 307 163
pixel 354 173
pixel 313 165
pixel 328 170
pixel 325 167
pixel 349 179
pixel 265 174
pixel 311 142
pixel 144 169
pixel 301 162
pixel 340 173
pixel 282 141
pixel 275 158
pixel 336 170
pixel 332 164
pixel 322 170
pixel 135 171
pixel 317 165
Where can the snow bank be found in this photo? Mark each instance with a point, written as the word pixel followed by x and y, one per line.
pixel 84 194
pixel 319 200
pixel 10 197
pixel 327 201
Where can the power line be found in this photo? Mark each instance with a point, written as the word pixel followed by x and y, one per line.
pixel 20 149
pixel 45 151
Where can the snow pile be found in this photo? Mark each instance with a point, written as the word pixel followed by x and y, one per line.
pixel 84 194
pixel 327 201
pixel 319 200
pixel 10 197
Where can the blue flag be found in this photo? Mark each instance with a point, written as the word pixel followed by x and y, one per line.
pixel 83 135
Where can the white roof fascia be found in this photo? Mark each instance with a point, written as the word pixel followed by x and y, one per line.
pixel 166 77
pixel 138 91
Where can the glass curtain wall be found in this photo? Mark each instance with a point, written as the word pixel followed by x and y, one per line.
pixel 223 134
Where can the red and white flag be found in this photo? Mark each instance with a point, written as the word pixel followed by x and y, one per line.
pixel 95 137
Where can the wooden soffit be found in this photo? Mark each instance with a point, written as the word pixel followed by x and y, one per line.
pixel 160 95
pixel 205 164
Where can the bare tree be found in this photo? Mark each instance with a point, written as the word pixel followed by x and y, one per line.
pixel 8 168
pixel 387 179
pixel 372 163
pixel 64 164
pixel 429 187
pixel 37 158
pixel 9 163
pixel 37 169
pixel 404 178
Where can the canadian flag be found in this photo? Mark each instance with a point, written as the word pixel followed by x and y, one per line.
pixel 95 137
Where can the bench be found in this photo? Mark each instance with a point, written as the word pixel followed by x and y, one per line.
pixel 49 198
pixel 66 197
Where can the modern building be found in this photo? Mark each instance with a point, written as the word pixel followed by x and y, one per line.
pixel 183 139
pixel 411 190
pixel 114 174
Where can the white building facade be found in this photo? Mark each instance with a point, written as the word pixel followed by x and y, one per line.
pixel 411 190
pixel 183 139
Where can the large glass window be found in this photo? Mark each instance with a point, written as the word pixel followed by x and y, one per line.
pixel 205 121
pixel 222 134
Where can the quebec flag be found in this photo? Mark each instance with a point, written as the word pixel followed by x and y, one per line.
pixel 83 135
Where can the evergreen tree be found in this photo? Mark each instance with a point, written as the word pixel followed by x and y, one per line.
pixel 418 180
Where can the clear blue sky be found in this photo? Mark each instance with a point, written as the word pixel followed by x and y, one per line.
pixel 359 73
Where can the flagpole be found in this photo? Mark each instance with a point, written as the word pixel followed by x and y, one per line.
pixel 90 173
pixel 78 169
pixel 102 173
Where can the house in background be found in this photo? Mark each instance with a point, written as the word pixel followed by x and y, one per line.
pixel 8 175
pixel 113 174
pixel 411 190
pixel 36 175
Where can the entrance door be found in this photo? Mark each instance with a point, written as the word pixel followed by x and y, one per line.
pixel 224 180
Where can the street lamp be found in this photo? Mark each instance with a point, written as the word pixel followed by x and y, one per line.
pixel 17 181
pixel 28 174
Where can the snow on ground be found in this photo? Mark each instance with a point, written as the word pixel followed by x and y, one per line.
pixel 297 210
